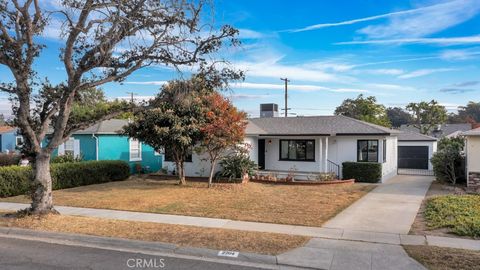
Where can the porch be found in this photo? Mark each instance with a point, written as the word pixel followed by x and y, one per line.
pixel 304 156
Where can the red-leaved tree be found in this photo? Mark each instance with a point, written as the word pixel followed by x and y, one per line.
pixel 224 129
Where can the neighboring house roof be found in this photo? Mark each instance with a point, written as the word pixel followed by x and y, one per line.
pixel 6 129
pixel 445 129
pixel 415 137
pixel 473 132
pixel 314 125
pixel 112 126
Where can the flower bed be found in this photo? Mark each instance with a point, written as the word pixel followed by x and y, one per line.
pixel 298 179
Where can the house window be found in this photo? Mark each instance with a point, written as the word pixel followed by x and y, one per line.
pixel 297 150
pixel 19 141
pixel 135 150
pixel 70 147
pixel 367 150
pixel 169 155
pixel 384 151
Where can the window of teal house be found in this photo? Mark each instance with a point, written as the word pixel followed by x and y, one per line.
pixel 135 150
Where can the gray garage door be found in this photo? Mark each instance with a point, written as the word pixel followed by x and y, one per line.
pixel 413 157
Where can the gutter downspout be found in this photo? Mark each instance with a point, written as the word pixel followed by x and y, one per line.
pixel 96 145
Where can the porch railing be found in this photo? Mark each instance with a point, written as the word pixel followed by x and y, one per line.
pixel 333 167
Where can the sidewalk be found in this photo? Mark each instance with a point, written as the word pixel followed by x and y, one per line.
pixel 315 232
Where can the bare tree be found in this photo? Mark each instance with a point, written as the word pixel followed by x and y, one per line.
pixel 103 41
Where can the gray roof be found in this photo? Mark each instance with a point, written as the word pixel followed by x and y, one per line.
pixel 314 125
pixel 473 132
pixel 414 136
pixel 112 126
pixel 445 129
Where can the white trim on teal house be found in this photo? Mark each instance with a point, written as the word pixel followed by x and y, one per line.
pixel 135 150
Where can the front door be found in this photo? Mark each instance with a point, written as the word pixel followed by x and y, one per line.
pixel 261 154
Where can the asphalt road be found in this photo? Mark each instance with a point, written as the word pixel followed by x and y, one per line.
pixel 26 254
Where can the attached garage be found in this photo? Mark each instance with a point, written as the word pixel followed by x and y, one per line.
pixel 413 157
pixel 415 151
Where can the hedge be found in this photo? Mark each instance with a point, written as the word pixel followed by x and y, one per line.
pixel 16 180
pixel 370 172
pixel 9 159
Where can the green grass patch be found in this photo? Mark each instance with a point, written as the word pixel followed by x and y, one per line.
pixel 459 213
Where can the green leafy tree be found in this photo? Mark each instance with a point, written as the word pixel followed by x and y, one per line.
pixel 427 115
pixel 174 120
pixel 398 116
pixel 102 41
pixel 365 109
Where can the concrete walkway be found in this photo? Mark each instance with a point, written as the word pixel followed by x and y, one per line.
pixel 316 232
pixel 389 208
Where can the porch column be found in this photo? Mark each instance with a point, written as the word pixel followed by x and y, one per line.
pixel 325 159
pixel 320 155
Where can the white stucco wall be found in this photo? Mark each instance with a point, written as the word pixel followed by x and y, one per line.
pixel 344 148
pixel 200 165
pixel 432 148
pixel 473 153
pixel 273 162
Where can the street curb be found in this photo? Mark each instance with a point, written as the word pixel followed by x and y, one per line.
pixel 144 247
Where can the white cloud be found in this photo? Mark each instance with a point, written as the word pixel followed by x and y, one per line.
pixel 296 87
pixel 423 72
pixel 424 21
pixel 412 22
pixel 384 71
pixel 349 22
pixel 384 86
pixel 250 34
pixel 461 54
pixel 248 96
pixel 147 82
pixel 437 41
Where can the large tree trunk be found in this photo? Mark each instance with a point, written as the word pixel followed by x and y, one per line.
pixel 42 202
pixel 212 169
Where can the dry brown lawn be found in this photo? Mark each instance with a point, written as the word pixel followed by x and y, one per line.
pixel 438 258
pixel 285 204
pixel 219 239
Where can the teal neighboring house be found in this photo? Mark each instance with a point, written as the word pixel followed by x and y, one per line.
pixel 103 141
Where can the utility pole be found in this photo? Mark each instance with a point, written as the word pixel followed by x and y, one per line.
pixel 286 80
pixel 131 99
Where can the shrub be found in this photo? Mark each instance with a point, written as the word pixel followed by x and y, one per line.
pixel 236 165
pixel 448 162
pixel 459 213
pixel 370 172
pixel 66 158
pixel 16 180
pixel 9 159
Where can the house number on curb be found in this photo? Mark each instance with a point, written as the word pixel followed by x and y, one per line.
pixel 227 253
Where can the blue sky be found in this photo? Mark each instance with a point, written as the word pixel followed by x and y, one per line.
pixel 398 51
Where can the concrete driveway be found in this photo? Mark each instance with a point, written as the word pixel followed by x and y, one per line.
pixel 389 208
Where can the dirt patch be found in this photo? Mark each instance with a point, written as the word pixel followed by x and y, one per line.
pixel 438 258
pixel 284 204
pixel 219 239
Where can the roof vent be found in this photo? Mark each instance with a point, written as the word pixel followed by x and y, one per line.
pixel 268 110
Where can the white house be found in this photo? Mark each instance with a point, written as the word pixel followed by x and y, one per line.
pixel 415 150
pixel 312 145
pixel 472 152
